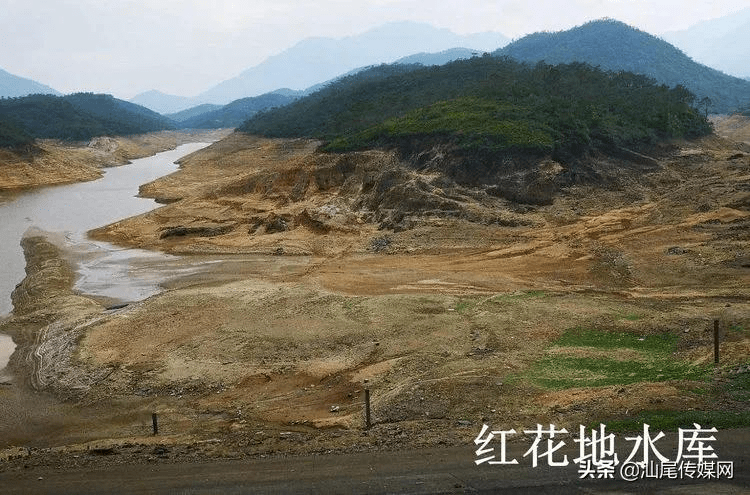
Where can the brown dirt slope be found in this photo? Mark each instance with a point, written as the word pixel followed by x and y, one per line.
pixel 735 127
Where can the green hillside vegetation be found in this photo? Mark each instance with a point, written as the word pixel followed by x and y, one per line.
pixel 470 122
pixel 439 58
pixel 13 137
pixel 489 105
pixel 613 45
pixel 77 117
pixel 183 115
pixel 235 113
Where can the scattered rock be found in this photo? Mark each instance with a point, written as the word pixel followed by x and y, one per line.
pixel 102 451
pixel 675 251
pixel 160 450
pixel 313 222
pixel 276 223
pixel 379 244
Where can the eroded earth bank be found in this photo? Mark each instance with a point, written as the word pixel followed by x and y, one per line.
pixel 55 162
pixel 455 302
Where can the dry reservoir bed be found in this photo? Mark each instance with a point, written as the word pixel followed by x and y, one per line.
pixel 597 307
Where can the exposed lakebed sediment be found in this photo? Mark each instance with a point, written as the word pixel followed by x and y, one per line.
pixel 441 302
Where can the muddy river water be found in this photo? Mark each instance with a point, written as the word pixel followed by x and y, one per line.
pixel 69 211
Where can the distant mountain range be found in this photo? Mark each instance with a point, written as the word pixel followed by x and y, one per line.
pixel 233 116
pixel 314 63
pixel 609 44
pixel 317 60
pixel 211 116
pixel 615 46
pixel 191 112
pixel 164 103
pixel 235 113
pixel 722 43
pixel 439 58
pixel 12 86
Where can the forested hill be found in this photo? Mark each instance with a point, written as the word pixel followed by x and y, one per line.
pixel 613 45
pixel 334 108
pixel 488 105
pixel 74 117
pixel 235 113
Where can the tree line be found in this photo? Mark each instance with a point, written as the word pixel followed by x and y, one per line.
pixel 489 104
pixel 76 117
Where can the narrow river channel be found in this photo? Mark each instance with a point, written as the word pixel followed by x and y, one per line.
pixel 72 210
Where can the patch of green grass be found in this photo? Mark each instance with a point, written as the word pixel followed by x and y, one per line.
pixel 672 420
pixel 649 359
pixel 629 316
pixel 738 387
pixel 701 391
pixel 736 329
pixel 463 306
pixel 664 343
pixel 558 372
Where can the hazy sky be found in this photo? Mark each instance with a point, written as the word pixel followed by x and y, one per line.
pixel 183 47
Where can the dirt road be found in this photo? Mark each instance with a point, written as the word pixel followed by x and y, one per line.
pixel 426 471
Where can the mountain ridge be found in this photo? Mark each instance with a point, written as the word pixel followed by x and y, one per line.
pixel 722 43
pixel 235 113
pixel 163 103
pixel 12 86
pixel 75 117
pixel 318 60
pixel 192 113
pixel 616 46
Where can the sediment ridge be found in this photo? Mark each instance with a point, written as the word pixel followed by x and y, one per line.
pixel 48 317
